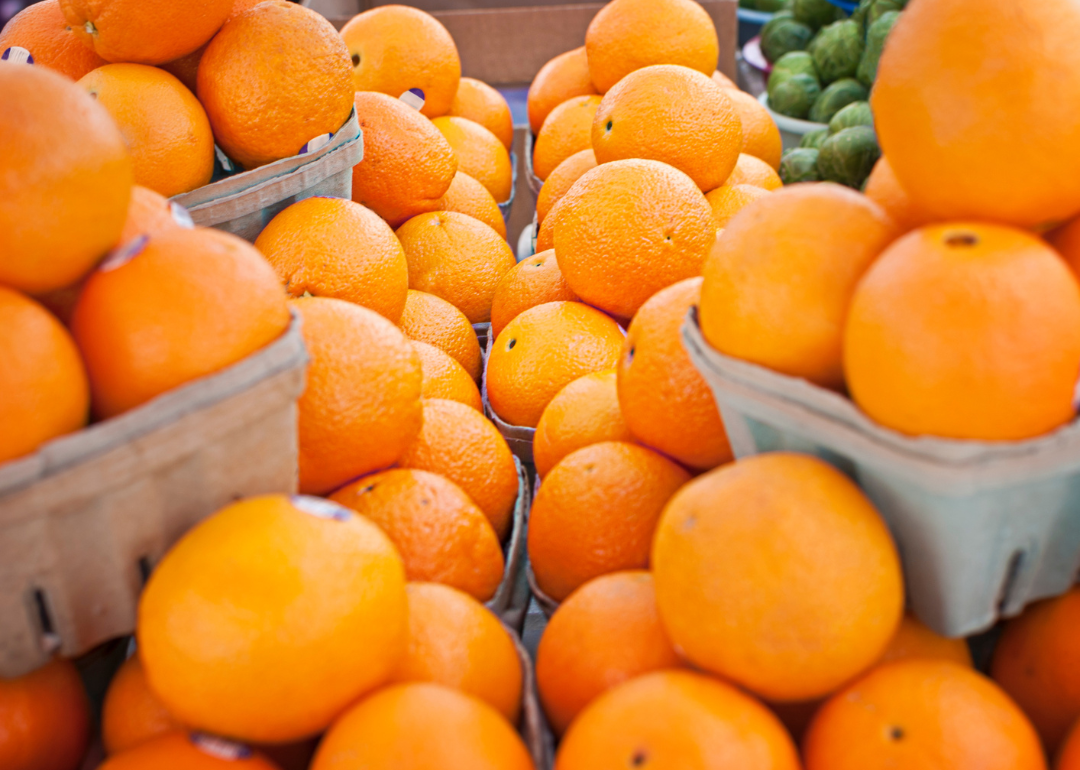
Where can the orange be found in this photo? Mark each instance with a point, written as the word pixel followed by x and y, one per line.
pixel 926 714
pixel 66 184
pixel 43 31
pixel 1036 662
pixel 1066 241
pixel 169 309
pixel 761 137
pixel 676 720
pixel 422 726
pixel 724 81
pixel 132 714
pixel 779 280
pixel 731 545
pixel 395 49
pixel 273 79
pixel 186 68
pixel 583 413
pixel 606 632
pixel 479 154
pixel 443 377
pixel 180 751
pixel 631 228
pixel 467 196
pixel 531 282
pixel 46 394
pixel 1001 160
pixel 541 351
pixel 566 131
pixel 362 404
pixel 545 233
pixel 562 78
pixel 433 320
pixel 756 172
pixel 1069 756
pixel 672 114
pixel 408 166
pixel 994 357
pixel 455 641
pixel 44 719
pixel 664 400
pixel 728 200
pixel 330 247
pixel 883 188
pixel 441 534
pixel 465 448
pixel 482 104
pixel 562 179
pixel 457 258
pixel 164 126
pixel 266 620
pixel 627 35
pixel 145 31
pixel 596 513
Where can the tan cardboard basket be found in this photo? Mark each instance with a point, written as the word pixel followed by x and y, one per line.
pixel 532 725
pixel 519 438
pixel 85 518
pixel 511 599
pixel 535 182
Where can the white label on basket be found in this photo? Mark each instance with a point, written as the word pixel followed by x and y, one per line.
pixel 223 159
pixel 318 507
pixel 220 748
pixel 17 55
pixel 122 255
pixel 316 144
pixel 414 97
pixel 181 216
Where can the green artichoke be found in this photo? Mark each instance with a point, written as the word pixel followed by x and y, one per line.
pixel 799 165
pixel 848 156
pixel 837 96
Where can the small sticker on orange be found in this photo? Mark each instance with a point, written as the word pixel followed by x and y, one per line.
pixel 181 216
pixel 220 748
pixel 320 508
pixel 17 55
pixel 414 97
pixel 125 253
pixel 223 159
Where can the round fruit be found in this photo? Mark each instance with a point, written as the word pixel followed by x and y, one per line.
pixel 724 81
pixel 467 196
pixel 779 281
pixel 672 114
pixel 422 727
pixel 631 228
pixel 883 188
pixel 433 320
pixel 567 130
pixel 479 154
pixel 186 68
pixel 316 621
pixel 733 543
pixel 43 31
pixel 541 351
pixel 441 534
pixel 150 213
pixel 545 233
pixel 562 179
pixel 562 78
pixel 728 200
pixel 132 714
pixel 262 110
pixel 676 719
pixel 75 171
pixel 754 171
pixel 45 719
pixel 408 166
pixel 627 35
pixel 443 377
pixel 180 751
pixel 1066 241
pixel 480 103
pixel 922 713
pixel 457 258
pixel 761 137
pixel 605 633
pixel 362 407
pixel 533 281
pixel 330 247
pixel 395 49
pixel 993 357
pixel 596 513
pixel 455 641
pixel 1069 756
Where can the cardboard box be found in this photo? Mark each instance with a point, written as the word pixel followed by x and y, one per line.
pixel 511 599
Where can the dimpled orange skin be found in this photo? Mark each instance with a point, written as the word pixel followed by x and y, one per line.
pixel 627 35
pixel 562 78
pixel 479 154
pixel 974 142
pixel 272 80
pixel 926 714
pixel 883 188
pixel 541 351
pixel 441 534
pixel 362 406
pixel 408 165
pixel 728 200
pixel 994 357
pixel 422 726
pixel 46 719
pixel 186 68
pixel 596 513
pixel 330 247
pixel 396 48
pixel 732 543
pixel 533 281
pixel 132 714
pixel 605 633
pixel 482 104
pixel 467 196
pixel 662 396
pixel 779 280
pixel 631 228
pixel 455 641
pixel 672 114
pixel 456 257
pixel 189 304
pixel 265 621
pixel 466 448
pixel 567 130
pixel 446 378
pixel 561 180
pixel 42 30
pixel 179 751
pixel 433 320
pixel 676 720
pixel 164 126
pixel 76 171
pixel 545 234
pixel 756 172
pixel 761 137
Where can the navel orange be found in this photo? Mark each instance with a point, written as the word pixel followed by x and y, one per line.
pixel 433 320
pixel 44 719
pixel 42 30
pixel 132 714
pixel 531 282
pixel 479 154
pixel 883 188
pixel 467 196
pixel 562 78
pixel 567 130
pixel 446 378
pixel 756 172
pixel 761 137
pixel 182 751
pixel 728 200
pixel 482 104
pixel 562 179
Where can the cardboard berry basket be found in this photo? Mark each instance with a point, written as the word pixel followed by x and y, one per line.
pixel 85 518
pixel 511 599
pixel 519 438
pixel 983 528
pixel 532 725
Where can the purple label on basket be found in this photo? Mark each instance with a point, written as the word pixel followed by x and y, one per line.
pixel 316 144
pixel 17 55
pixel 121 255
pixel 414 97
pixel 223 159
pixel 181 216
pixel 220 748
pixel 320 508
